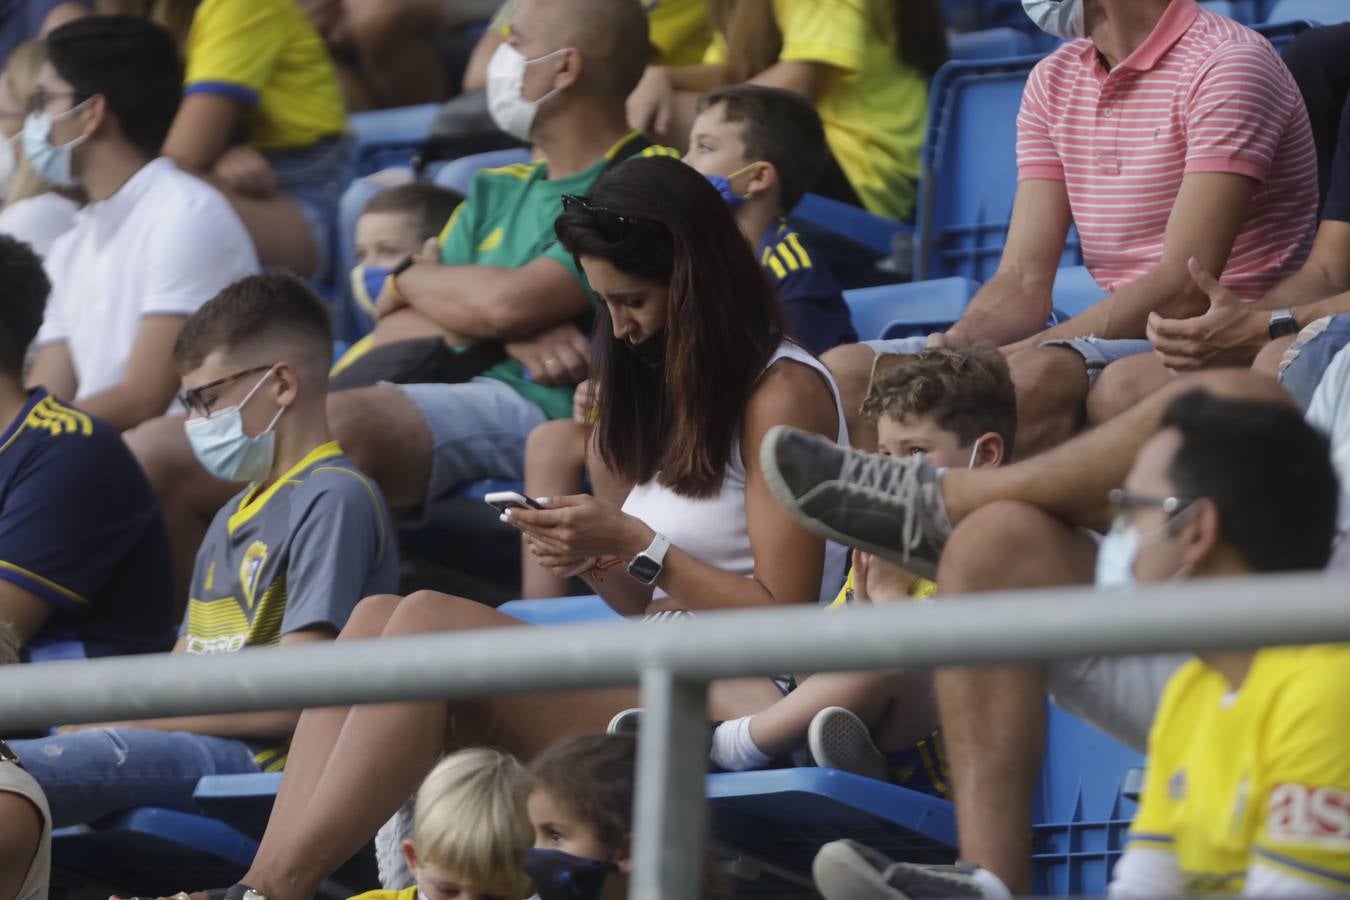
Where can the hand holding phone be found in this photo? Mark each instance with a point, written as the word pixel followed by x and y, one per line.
pixel 504 500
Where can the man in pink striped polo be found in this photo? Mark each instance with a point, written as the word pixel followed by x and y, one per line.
pixel 1172 133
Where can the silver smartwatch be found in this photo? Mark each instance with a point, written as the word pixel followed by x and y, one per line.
pixel 646 566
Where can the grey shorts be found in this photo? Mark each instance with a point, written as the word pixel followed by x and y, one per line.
pixel 478 431
pixel 1098 353
pixel 1118 694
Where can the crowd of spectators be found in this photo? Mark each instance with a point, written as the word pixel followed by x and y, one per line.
pixel 631 323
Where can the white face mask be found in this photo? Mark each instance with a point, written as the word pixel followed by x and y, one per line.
pixel 1062 18
pixel 1119 551
pixel 505 85
pixel 9 166
pixel 225 450
pixel 974 453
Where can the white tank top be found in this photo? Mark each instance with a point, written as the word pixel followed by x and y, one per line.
pixel 714 529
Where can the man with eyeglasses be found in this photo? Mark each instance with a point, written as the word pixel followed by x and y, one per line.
pixel 284 563
pixel 1246 504
pixel 152 245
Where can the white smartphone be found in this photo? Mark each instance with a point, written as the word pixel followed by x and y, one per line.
pixel 504 500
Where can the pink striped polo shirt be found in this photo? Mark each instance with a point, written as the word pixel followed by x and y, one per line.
pixel 1201 94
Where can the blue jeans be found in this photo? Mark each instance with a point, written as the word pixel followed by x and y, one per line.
pixel 314 177
pixel 1308 357
pixel 91 774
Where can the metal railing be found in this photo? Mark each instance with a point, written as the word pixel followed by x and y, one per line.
pixel 673 663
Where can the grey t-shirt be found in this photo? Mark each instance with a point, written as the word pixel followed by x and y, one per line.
pixel 14 780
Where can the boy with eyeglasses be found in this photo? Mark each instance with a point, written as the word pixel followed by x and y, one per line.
pixel 284 563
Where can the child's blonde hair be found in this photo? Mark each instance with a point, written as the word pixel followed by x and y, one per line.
pixel 470 818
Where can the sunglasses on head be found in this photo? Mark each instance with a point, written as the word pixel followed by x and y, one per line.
pixel 613 226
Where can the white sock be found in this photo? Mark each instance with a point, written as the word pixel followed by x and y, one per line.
pixel 734 750
pixel 991 884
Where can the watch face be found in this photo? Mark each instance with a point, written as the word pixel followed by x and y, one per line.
pixel 644 568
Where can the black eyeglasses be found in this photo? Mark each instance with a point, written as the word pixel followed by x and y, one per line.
pixel 194 399
pixel 613 226
pixel 1124 502
pixel 39 100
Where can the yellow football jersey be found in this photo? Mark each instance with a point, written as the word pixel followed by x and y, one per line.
pixel 1254 777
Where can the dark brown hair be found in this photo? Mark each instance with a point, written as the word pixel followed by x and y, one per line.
pixel 754 40
pixel 967 392
pixel 273 306
pixel 676 422
pixel 592 778
pixel 780 127
pixel 429 203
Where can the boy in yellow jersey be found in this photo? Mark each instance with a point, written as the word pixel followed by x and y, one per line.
pixel 1248 776
pixel 956 407
pixel 284 563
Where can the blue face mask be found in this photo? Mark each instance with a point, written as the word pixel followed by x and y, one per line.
pixel 225 450
pixel 723 185
pixel 562 876
pixel 51 163
pixel 367 282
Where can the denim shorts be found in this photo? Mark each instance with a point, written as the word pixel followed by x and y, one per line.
pixel 1310 354
pixel 314 177
pixel 1099 353
pixel 478 431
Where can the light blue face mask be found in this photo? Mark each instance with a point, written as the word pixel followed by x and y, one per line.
pixel 225 450
pixel 1061 18
pixel 51 163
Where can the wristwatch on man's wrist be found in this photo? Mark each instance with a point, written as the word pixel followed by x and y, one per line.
pixel 646 566
pixel 1282 322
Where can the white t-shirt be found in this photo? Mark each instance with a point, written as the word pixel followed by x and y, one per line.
pixel 164 244
pixel 1329 410
pixel 39 221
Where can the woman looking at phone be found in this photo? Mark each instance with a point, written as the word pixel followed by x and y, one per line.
pixel 694 370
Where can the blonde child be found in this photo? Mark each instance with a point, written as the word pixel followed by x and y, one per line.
pixel 470 831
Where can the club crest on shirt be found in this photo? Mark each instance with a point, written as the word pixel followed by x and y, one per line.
pixel 1176 785
pixel 254 558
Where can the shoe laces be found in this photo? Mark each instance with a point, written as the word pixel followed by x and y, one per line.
pixel 895 480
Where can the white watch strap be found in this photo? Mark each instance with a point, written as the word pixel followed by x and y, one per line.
pixel 656 550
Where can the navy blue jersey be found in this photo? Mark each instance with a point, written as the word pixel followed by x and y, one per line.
pixel 812 300
pixel 80 529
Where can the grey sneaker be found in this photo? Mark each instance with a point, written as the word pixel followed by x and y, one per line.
pixel 626 722
pixel 848 870
pixel 839 740
pixel 889 506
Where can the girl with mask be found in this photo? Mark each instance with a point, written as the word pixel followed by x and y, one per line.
pixel 31 210
pixel 581 808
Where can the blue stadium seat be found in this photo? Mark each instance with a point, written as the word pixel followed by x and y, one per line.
pixel 386 138
pixel 902 310
pixel 1074 291
pixel 1229 8
pixel 458 174
pixel 869 230
pixel 969 168
pixel 151 851
pixel 560 610
pixel 1083 807
pixel 1323 12
pixel 991 43
pixel 1281 33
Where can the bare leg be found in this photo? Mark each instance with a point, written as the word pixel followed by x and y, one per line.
pixel 1052 391
pixel 395 41
pixel 188 496
pixel 279 230
pixel 897 706
pixel 318 729
pixel 1072 481
pixel 555 465
pixel 993 718
pixel 851 366
pixel 1268 360
pixel 1123 384
pixel 383 431
pixel 381 752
